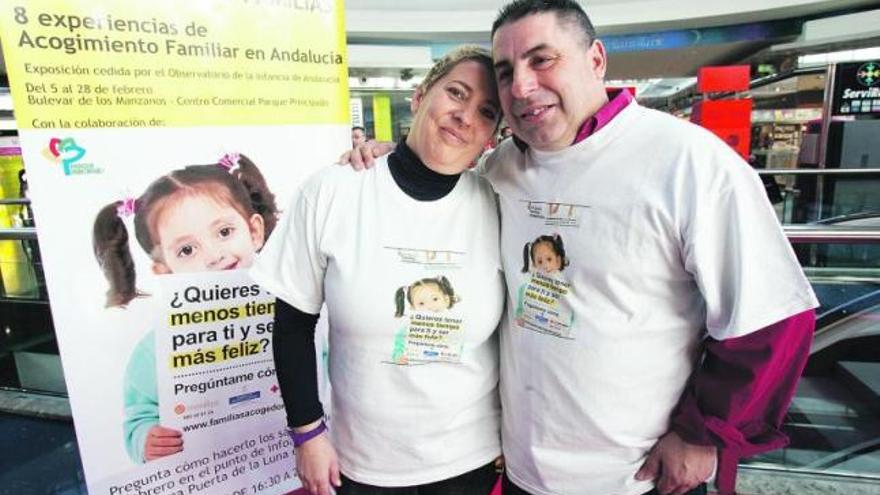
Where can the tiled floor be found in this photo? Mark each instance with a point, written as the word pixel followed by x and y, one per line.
pixel 39 457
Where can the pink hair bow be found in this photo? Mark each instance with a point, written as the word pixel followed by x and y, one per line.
pixel 229 161
pixel 127 208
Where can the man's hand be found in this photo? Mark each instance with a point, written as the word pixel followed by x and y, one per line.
pixel 162 441
pixel 677 466
pixel 364 155
pixel 317 465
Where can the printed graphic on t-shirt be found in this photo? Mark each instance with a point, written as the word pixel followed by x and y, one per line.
pixel 542 304
pixel 555 214
pixel 432 329
pixel 429 258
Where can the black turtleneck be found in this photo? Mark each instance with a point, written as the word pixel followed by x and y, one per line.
pixel 415 179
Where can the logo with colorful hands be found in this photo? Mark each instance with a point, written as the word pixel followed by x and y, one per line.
pixel 68 154
pixel 868 74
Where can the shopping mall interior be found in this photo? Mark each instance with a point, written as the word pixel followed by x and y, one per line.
pixel 817 151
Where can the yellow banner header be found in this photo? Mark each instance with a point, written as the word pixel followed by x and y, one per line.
pixel 173 64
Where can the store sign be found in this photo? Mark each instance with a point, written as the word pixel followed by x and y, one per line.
pixel 857 89
pixel 730 120
pixel 786 115
pixel 682 38
pixel 723 78
pixel 190 101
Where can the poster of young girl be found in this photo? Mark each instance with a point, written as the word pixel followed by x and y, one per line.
pixel 159 144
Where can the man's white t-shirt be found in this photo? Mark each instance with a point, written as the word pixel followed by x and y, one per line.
pixel 414 294
pixel 666 235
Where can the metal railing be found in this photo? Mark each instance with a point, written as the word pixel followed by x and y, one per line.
pixel 818 171
pixel 824 234
pixel 18 234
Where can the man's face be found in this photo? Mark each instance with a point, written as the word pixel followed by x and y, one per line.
pixel 357 137
pixel 549 80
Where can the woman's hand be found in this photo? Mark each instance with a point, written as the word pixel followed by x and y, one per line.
pixel 499 464
pixel 161 442
pixel 317 465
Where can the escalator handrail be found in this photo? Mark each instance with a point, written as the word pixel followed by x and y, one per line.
pixel 818 171
pixel 799 234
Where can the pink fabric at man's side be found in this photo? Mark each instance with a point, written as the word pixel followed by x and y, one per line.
pixel 496 490
pixel 738 397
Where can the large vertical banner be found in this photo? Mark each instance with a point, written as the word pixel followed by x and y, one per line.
pixel 382 117
pixel 163 140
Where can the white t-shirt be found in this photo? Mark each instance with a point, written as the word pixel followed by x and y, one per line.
pixel 414 294
pixel 666 234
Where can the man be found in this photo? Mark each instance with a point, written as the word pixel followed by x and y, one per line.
pixel 358 136
pixel 657 319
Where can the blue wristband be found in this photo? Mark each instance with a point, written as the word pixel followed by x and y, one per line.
pixel 301 438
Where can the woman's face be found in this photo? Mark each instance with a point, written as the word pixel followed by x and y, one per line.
pixel 455 118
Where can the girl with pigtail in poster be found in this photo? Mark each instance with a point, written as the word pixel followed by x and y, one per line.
pixel 195 219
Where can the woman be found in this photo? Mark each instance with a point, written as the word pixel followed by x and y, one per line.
pixel 406 258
